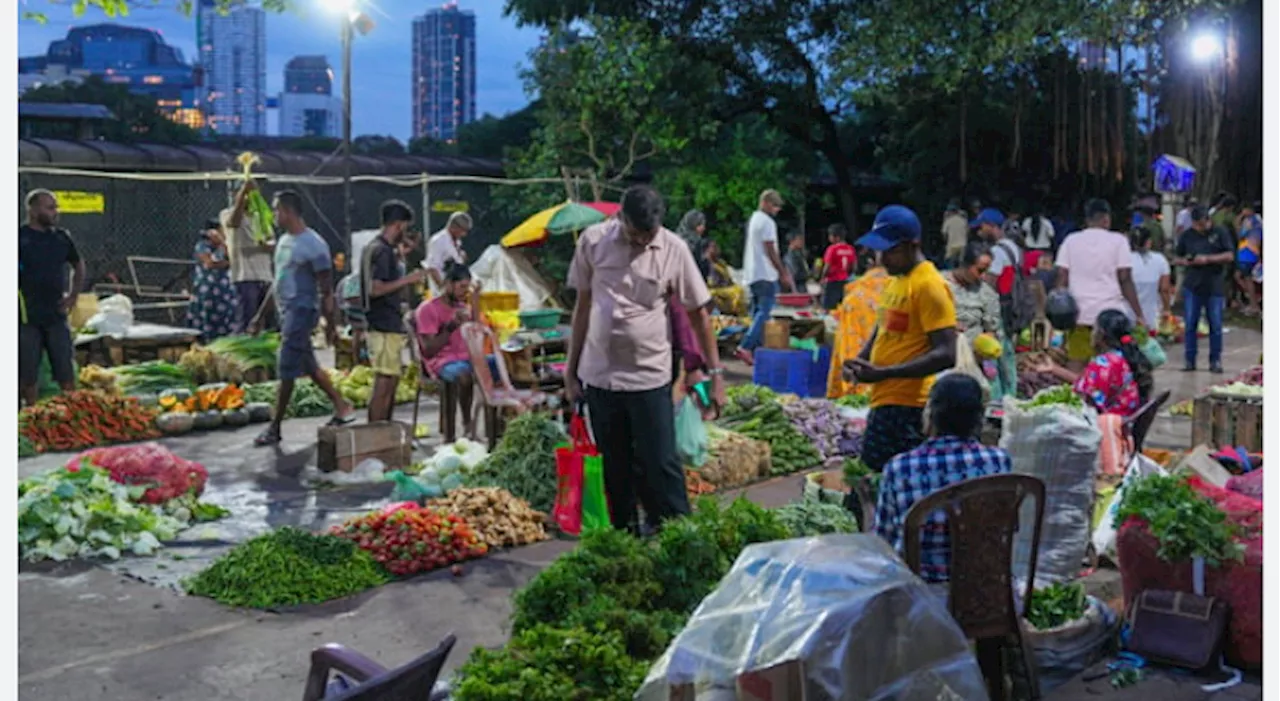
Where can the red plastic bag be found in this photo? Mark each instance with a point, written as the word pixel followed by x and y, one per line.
pixel 569 476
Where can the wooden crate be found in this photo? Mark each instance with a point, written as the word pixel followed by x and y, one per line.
pixel 343 448
pixel 1227 421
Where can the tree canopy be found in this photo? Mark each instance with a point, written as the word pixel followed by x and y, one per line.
pixel 138 118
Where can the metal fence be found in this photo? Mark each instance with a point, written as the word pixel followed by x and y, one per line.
pixel 115 216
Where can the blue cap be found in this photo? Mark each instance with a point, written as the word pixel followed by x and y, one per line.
pixel 988 216
pixel 894 224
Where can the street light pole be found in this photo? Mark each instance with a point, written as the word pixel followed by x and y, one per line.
pixel 346 136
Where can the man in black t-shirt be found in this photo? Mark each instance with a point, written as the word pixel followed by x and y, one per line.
pixel 1206 252
pixel 382 285
pixel 44 300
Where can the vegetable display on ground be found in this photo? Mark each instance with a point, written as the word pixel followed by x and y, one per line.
pixel 810 518
pixel 624 597
pixel 790 450
pixel 524 462
pixel 411 539
pixel 499 518
pixel 152 377
pixel 84 513
pixel 356 385
pixel 85 419
pixel 733 459
pixel 1185 523
pixel 288 567
pixel 156 469
pixel 819 421
pixel 1061 395
pixel 96 377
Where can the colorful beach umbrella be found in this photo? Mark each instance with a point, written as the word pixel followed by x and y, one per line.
pixel 566 218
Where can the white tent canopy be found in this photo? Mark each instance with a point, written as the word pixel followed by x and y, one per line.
pixel 504 270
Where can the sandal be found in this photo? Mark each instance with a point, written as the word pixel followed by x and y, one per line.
pixel 337 421
pixel 271 436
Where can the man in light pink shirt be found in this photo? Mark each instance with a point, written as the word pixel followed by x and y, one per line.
pixel 626 273
pixel 1096 267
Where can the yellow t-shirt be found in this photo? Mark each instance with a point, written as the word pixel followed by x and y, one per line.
pixel 911 307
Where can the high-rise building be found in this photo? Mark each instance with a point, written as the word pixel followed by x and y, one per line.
pixel 308 74
pixel 135 57
pixel 233 55
pixel 444 72
pixel 307 105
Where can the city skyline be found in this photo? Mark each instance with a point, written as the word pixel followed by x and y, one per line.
pixel 444 72
pixel 382 60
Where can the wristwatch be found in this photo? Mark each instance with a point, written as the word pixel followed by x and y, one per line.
pixel 715 372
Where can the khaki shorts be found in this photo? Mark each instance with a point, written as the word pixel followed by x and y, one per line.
pixel 385 350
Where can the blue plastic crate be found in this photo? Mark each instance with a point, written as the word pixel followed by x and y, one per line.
pixel 793 371
pixel 783 371
pixel 818 371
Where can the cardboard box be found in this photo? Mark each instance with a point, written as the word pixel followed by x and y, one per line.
pixel 777 334
pixel 342 448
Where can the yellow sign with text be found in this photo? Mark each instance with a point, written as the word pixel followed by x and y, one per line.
pixel 449 206
pixel 71 202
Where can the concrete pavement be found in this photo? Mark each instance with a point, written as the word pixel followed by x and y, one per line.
pixel 88 633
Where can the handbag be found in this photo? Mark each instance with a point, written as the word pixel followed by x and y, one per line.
pixel 581 504
pixel 1179 629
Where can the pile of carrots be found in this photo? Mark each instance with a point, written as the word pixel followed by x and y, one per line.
pixel 85 419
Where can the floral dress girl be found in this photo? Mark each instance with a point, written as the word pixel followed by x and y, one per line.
pixel 213 298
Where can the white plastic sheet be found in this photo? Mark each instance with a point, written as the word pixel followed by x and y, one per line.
pixel 832 618
pixel 1059 445
pixel 501 269
pixel 114 317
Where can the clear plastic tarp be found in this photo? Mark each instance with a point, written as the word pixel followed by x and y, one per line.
pixel 832 618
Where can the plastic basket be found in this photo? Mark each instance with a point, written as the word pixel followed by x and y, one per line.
pixel 783 371
pixel 499 301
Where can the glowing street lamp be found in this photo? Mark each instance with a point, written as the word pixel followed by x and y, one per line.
pixel 1206 46
pixel 352 19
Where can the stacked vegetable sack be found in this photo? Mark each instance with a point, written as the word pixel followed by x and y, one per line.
pixel 590 625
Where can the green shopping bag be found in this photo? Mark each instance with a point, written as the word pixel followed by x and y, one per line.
pixel 595 505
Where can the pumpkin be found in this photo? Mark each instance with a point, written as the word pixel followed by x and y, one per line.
pixel 259 412
pixel 175 424
pixel 207 420
pixel 235 417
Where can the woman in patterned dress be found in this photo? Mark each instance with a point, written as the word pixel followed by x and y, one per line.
pixel 858 314
pixel 213 299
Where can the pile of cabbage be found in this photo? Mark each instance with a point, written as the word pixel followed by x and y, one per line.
pixel 445 471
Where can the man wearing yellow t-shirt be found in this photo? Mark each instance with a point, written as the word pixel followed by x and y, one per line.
pixel 914 339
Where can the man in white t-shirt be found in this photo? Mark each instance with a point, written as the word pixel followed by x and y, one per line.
pixel 446 245
pixel 1095 265
pixel 762 269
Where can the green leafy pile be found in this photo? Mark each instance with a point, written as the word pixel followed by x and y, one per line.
pixel 26 447
pixel 810 518
pixel 288 567
pixel 1185 523
pixel 1062 395
pixel 307 401
pixel 524 463
pixel 744 398
pixel 854 470
pixel 152 377
pixel 249 352
pixel 83 513
pixel 854 401
pixel 588 626
pixel 1057 604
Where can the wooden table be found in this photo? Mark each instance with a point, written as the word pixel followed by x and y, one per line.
pixel 140 343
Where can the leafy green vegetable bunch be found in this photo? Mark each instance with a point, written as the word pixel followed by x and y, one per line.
pixel 524 463
pixel 1057 604
pixel 1184 522
pixel 854 401
pixel 790 450
pixel 288 567
pixel 744 398
pixel 807 517
pixel 623 598
pixel 64 514
pixel 1062 395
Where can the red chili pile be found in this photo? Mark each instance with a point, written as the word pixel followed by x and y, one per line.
pixel 413 539
pixel 84 419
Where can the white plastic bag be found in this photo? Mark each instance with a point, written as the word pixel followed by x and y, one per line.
pixel 114 317
pixel 692 441
pixel 967 364
pixel 1104 534
pixel 1063 653
pixel 1059 445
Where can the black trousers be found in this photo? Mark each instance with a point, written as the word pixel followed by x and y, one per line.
pixel 636 435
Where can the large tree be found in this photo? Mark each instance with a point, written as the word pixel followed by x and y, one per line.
pixel 120 8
